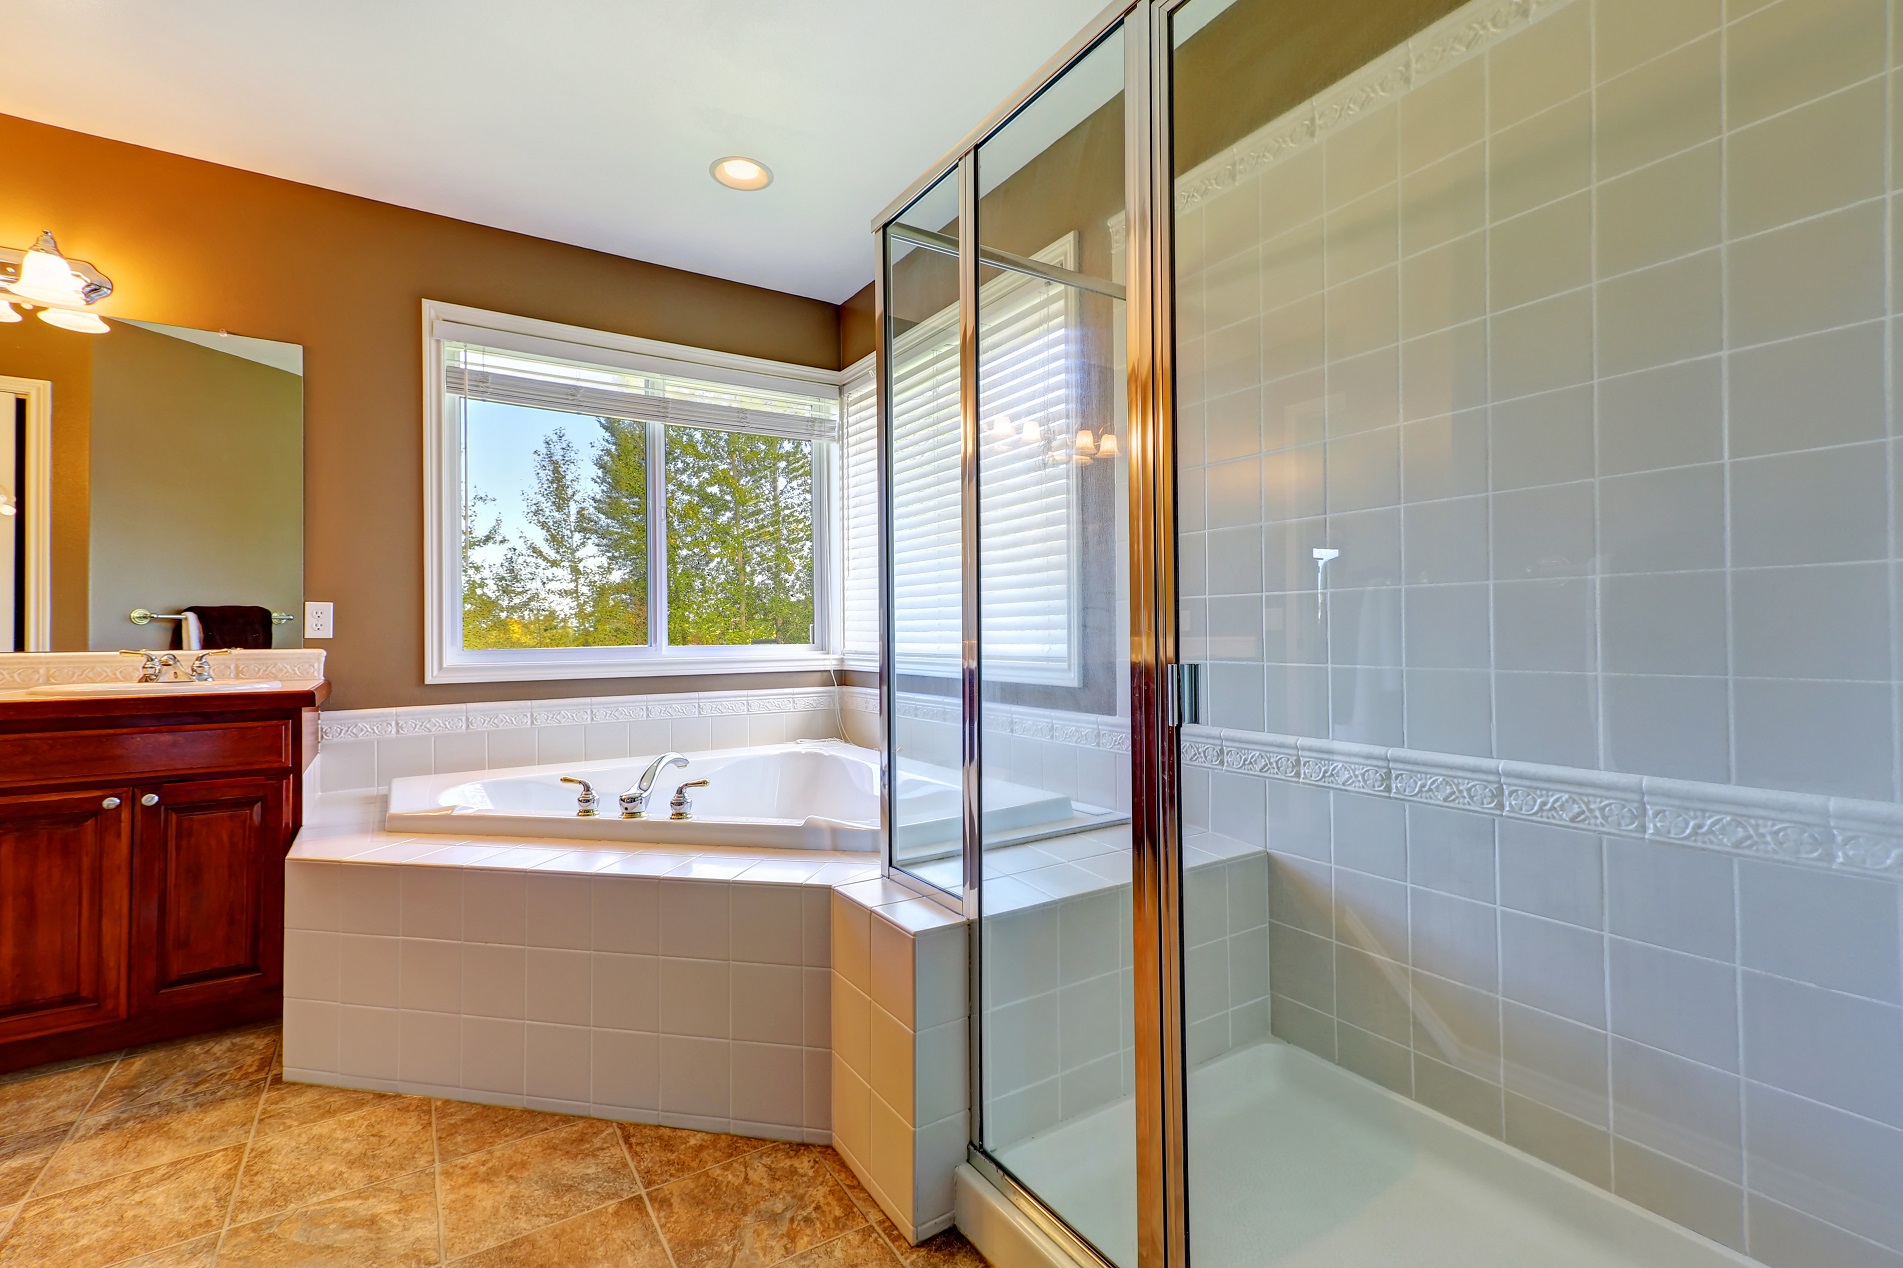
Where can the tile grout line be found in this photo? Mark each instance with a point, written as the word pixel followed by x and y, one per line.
pixel 866 1221
pixel 71 1131
pixel 436 1185
pixel 641 1187
pixel 237 1182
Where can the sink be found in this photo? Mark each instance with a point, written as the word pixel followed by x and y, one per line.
pixel 222 686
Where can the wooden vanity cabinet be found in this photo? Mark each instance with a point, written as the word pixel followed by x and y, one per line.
pixel 65 908
pixel 142 866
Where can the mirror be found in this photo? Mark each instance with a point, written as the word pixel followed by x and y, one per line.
pixel 152 467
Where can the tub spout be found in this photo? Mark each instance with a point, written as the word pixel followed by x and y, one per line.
pixel 634 802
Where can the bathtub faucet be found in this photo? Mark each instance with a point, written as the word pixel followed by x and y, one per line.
pixel 585 802
pixel 634 802
pixel 682 805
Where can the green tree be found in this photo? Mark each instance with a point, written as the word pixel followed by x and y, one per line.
pixel 616 520
pixel 740 538
pixel 740 544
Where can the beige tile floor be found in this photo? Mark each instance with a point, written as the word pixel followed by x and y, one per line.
pixel 197 1153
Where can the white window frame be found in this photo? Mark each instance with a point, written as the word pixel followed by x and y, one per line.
pixel 861 374
pixel 445 658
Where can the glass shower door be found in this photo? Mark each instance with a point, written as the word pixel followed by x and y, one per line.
pixel 926 540
pixel 1054 931
pixel 1536 515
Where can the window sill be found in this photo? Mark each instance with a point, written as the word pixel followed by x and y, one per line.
pixel 555 666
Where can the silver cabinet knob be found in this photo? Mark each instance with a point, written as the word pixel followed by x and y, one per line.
pixel 110 803
pixel 150 799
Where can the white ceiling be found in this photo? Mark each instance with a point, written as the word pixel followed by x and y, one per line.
pixel 591 122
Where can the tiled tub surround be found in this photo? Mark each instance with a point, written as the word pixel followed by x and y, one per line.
pixel 900 1088
pixel 1056 967
pixel 1570 326
pixel 632 984
pixel 1084 756
pixel 364 749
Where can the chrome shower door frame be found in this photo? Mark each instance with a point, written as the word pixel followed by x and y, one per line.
pixel 1161 1169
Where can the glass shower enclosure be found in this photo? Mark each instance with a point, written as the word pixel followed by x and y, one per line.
pixel 1394 629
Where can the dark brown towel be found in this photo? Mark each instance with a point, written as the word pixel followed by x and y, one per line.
pixel 234 625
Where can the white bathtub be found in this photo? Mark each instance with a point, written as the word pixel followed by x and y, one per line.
pixel 812 795
pixel 806 795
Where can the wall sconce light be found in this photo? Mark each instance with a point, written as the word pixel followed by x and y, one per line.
pixel 40 277
pixel 7 505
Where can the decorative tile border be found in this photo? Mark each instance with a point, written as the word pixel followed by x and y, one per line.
pixel 1084 730
pixel 513 715
pixel 38 669
pixel 1833 832
pixel 1469 30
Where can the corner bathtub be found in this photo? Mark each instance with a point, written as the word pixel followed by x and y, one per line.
pixel 806 795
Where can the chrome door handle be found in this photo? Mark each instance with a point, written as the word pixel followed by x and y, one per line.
pixel 150 799
pixel 110 803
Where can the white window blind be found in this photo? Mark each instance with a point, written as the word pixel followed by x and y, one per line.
pixel 859 475
pixel 1027 370
pixel 925 481
pixel 507 378
pixel 1027 391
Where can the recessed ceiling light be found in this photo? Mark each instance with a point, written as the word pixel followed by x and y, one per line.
pixel 738 172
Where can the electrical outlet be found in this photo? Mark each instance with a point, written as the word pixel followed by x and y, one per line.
pixel 317 620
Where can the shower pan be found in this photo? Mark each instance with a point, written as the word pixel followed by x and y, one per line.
pixel 1416 487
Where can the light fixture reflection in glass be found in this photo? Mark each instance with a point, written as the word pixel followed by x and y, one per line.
pixel 1031 435
pixel 736 171
pixel 84 323
pixel 1086 443
pixel 7 313
pixel 7 505
pixel 1107 445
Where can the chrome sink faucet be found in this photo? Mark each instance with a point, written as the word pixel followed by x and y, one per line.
pixel 634 802
pixel 201 664
pixel 155 665
pixel 166 666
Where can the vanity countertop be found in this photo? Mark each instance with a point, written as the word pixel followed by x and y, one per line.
pixel 292 693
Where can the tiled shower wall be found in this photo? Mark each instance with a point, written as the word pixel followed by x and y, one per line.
pixel 1579 352
pixel 1570 326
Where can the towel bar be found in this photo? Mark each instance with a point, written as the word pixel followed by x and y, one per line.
pixel 139 616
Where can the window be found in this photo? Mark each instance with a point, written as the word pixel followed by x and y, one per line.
pixel 605 506
pixel 1028 496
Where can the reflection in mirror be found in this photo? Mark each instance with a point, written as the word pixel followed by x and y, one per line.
pixel 157 468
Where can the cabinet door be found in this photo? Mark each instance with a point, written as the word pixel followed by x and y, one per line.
pixel 209 889
pixel 65 886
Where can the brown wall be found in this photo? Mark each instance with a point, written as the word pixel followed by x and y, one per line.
pixel 196 244
pixel 858 327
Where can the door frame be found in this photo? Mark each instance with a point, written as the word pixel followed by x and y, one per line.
pixel 35 495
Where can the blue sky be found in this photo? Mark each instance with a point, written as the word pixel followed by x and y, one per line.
pixel 502 440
